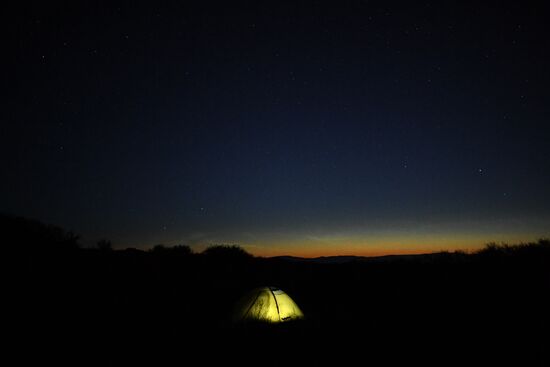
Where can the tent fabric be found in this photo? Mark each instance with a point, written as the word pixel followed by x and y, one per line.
pixel 267 304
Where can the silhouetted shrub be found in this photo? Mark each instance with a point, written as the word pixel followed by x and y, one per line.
pixel 105 245
pixel 159 249
pixel 178 250
pixel 232 252
pixel 27 235
pixel 541 247
pixel 181 250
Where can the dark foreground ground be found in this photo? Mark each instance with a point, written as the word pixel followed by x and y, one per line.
pixel 168 307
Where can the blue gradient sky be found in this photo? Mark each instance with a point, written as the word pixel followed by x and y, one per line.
pixel 288 129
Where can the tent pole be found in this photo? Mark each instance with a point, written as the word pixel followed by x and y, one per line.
pixel 276 303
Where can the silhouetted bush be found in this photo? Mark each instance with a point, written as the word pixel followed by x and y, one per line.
pixel 178 250
pixel 27 235
pixel 104 245
pixel 181 250
pixel 230 252
pixel 159 249
pixel 534 249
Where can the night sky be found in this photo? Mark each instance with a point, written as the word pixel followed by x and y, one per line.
pixel 302 129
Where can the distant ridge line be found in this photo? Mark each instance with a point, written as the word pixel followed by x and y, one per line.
pixel 341 259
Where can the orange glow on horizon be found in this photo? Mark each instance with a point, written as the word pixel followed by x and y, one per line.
pixel 308 250
pixel 342 251
pixel 308 245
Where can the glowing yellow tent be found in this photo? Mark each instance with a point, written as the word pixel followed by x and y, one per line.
pixel 267 304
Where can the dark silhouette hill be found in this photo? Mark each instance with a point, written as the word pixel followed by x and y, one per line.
pixel 170 304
